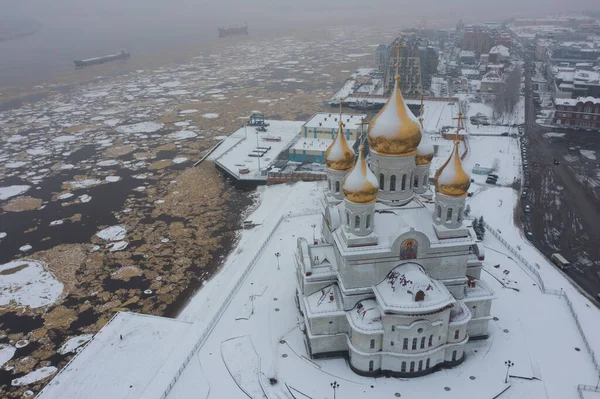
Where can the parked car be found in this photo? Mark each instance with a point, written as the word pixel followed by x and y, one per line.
pixel 527 209
pixel 529 235
pixel 523 194
pixel 493 175
pixel 504 134
pixel 490 181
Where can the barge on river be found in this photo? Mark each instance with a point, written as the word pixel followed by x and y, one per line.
pixel 120 55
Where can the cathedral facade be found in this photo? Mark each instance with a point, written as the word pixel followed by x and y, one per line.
pixel 394 283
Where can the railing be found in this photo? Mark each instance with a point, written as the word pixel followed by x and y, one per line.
pixel 213 322
pixel 560 293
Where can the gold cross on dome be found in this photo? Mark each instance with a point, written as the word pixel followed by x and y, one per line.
pixel 398 48
pixel 460 118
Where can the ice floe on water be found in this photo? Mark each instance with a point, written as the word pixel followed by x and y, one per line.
pixel 142 127
pixel 210 116
pixel 72 344
pixel 6 353
pixel 65 139
pixel 34 376
pixel 25 248
pixel 112 233
pixel 589 154
pixel 56 222
pixel 85 198
pixel 188 111
pixel 108 162
pixel 182 135
pixel 12 191
pixel 37 151
pixel 65 196
pixel 112 178
pixel 179 160
pixel 16 164
pixel 85 183
pixel 28 283
pixel 2 234
pixel 117 246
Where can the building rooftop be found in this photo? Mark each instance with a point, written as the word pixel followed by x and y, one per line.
pixel 329 120
pixel 575 101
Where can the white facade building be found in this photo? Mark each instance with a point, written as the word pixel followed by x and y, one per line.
pixel 394 285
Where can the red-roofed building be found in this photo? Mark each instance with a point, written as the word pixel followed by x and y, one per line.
pixel 582 112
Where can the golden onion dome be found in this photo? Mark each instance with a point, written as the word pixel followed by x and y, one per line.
pixel 360 185
pixel 394 130
pixel 425 152
pixel 451 179
pixel 339 156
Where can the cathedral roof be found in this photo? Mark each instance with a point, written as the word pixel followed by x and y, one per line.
pixel 451 179
pixel 339 156
pixel 360 185
pixel 394 130
pixel 366 316
pixel 408 289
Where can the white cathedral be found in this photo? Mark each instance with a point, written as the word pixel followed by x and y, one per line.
pixel 394 284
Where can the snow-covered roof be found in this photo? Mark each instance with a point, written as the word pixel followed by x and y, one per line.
pixel 400 291
pixel 575 101
pixel 327 120
pixel 326 300
pixel 366 316
pixel 500 50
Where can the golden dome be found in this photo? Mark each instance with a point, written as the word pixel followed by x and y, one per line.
pixel 339 156
pixel 360 185
pixel 425 149
pixel 451 179
pixel 394 130
pixel 425 152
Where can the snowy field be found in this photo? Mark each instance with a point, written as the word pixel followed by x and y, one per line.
pixel 532 338
pixel 234 153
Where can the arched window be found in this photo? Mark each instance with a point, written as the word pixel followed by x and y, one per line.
pixel 357 222
pixel 337 187
pixel 449 215
pixel 414 344
pixel 381 181
pixel 427 364
pixel 370 365
pixel 420 365
pixel 368 224
pixel 403 182
pixel 439 212
pixel 430 340
pixel 412 367
pixel 372 344
pixel 456 334
pixel 393 183
pixel 348 219
pixel 405 344
pixel 422 342
pixel 416 182
pixel 403 368
pixel 453 356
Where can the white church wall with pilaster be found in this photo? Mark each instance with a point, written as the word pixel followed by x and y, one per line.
pixel 396 173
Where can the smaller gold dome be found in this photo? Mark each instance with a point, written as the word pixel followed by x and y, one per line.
pixel 339 156
pixel 360 185
pixel 451 179
pixel 394 130
pixel 425 152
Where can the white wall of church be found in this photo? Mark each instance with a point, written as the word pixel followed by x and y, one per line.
pixel 396 173
pixel 330 324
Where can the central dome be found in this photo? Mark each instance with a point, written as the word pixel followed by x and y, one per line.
pixel 395 130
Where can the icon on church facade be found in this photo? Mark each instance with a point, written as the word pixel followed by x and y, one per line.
pixel 408 249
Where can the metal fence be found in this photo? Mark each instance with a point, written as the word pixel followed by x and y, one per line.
pixel 560 293
pixel 215 319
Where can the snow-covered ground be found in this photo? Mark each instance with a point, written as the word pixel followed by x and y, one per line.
pixel 525 331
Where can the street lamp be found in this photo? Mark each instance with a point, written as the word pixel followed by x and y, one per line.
pixel 335 386
pixel 508 364
pixel 313 227
pixel 277 254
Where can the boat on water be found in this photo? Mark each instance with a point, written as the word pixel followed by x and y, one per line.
pixel 121 54
pixel 237 30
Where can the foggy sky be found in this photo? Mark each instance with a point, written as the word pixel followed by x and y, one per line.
pixel 333 12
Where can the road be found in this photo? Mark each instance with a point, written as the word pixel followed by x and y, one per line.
pixel 565 218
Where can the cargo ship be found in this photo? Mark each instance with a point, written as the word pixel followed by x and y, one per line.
pixel 121 54
pixel 241 30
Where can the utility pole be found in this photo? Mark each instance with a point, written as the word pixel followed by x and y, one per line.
pixel 508 364
pixel 277 254
pixel 314 238
pixel 335 386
